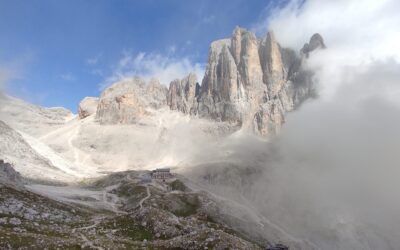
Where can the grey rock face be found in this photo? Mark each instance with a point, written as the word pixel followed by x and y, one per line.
pixel 316 42
pixel 250 82
pixel 274 72
pixel 15 150
pixel 8 174
pixel 126 101
pixel 248 62
pixel 241 75
pixel 87 107
pixel 269 118
pixel 222 90
pixel 182 94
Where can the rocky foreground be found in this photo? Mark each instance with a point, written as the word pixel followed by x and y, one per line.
pixel 127 213
pixel 249 85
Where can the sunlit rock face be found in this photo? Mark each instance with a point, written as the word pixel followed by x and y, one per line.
pixel 248 81
pixel 127 101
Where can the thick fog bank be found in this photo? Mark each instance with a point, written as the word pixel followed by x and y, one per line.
pixel 331 176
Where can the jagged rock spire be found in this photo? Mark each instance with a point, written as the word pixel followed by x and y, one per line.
pixel 182 94
pixel 271 59
pixel 316 42
pixel 248 81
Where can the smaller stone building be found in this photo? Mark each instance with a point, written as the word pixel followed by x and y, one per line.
pixel 161 174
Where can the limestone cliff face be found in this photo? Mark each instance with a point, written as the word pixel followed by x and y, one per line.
pixel 274 72
pixel 245 45
pixel 126 101
pixel 182 94
pixel 249 81
pixel 243 82
pixel 222 89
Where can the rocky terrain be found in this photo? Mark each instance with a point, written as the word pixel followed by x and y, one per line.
pixel 126 101
pixel 249 83
pixel 182 94
pixel 66 180
pixel 8 175
pixel 31 118
pixel 134 215
pixel 26 153
pixel 255 162
pixel 87 107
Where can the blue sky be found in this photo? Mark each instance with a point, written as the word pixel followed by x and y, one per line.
pixel 57 52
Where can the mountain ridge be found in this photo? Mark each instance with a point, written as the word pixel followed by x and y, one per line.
pixel 249 82
pixel 139 124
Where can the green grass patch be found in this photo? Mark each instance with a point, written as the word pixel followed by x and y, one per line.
pixel 189 206
pixel 127 227
pixel 128 189
pixel 178 186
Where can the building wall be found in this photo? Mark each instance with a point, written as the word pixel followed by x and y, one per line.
pixel 161 175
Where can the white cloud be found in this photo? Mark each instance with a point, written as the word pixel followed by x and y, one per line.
pixel 153 65
pixel 97 72
pixel 331 177
pixel 344 24
pixel 208 19
pixel 260 28
pixel 93 60
pixel 8 73
pixel 11 72
pixel 5 76
pixel 67 77
pixel 171 49
pixel 357 33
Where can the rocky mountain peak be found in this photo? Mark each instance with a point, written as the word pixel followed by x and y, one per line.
pixel 236 43
pixel 316 42
pixel 248 81
pixel 272 64
pixel 126 101
pixel 182 94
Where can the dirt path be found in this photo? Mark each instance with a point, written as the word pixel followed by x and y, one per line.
pixel 79 159
pixel 97 221
pixel 145 198
pixel 90 243
pixel 112 199
pixel 53 157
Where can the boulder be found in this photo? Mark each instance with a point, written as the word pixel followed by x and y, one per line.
pixel 8 174
pixel 87 107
